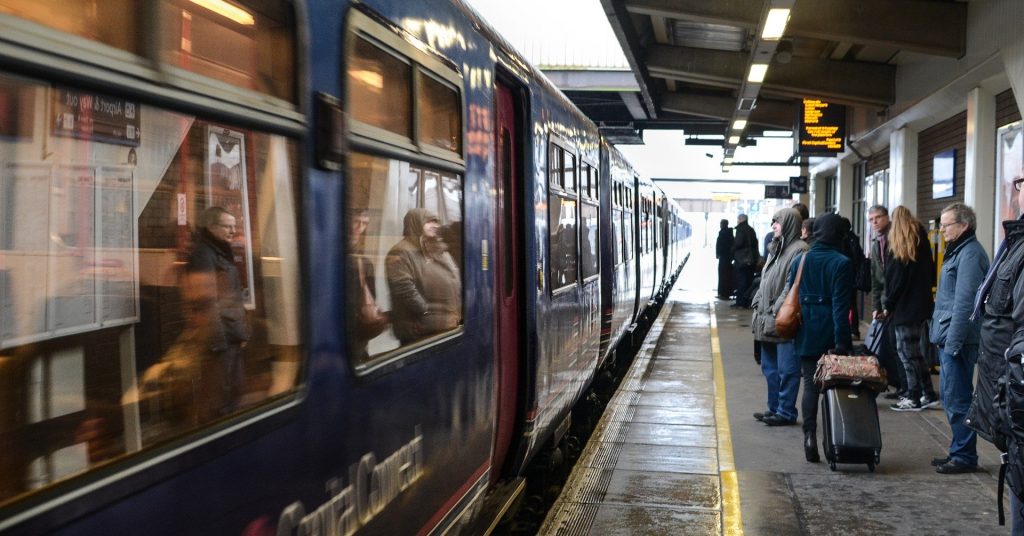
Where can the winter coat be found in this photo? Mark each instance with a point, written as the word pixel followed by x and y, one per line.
pixel 210 255
pixel 878 273
pixel 963 269
pixel 826 286
pixel 1002 315
pixel 908 285
pixel 723 246
pixel 426 289
pixel 745 250
pixel 769 296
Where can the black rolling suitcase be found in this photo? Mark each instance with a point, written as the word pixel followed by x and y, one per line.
pixel 851 430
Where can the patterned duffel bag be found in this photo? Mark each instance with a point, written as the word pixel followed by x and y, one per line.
pixel 850 370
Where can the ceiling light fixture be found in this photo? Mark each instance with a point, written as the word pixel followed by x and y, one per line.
pixel 775 24
pixel 229 11
pixel 757 72
pixel 734 140
pixel 739 124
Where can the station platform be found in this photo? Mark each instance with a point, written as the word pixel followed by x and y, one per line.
pixel 678 451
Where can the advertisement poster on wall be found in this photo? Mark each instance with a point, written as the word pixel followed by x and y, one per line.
pixel 227 187
pixel 1009 165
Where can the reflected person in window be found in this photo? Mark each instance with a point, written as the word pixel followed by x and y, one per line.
pixel 368 320
pixel 212 260
pixel 425 285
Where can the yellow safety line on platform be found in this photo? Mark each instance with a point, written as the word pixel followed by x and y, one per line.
pixel 732 519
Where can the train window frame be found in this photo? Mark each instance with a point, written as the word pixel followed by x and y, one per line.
pixel 361 22
pixel 374 142
pixel 588 196
pixel 563 148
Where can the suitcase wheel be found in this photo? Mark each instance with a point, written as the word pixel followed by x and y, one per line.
pixel 832 465
pixel 871 466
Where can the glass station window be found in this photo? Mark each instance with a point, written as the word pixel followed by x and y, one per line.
pixel 148 284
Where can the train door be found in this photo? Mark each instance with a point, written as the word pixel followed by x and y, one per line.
pixel 508 269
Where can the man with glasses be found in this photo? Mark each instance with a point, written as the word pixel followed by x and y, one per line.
pixel 999 305
pixel 215 280
pixel 956 335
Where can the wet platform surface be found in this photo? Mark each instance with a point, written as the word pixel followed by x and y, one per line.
pixel 678 452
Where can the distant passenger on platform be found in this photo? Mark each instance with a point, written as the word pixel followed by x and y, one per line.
pixel 909 275
pixel 746 255
pixel 824 301
pixel 807 231
pixel 996 412
pixel 805 214
pixel 426 288
pixel 952 330
pixel 861 266
pixel 723 252
pixel 367 319
pixel 880 255
pixel 779 362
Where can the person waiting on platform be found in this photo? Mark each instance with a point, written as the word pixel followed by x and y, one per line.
pixel 825 288
pixel 909 275
pixel 779 362
pixel 216 281
pixel 999 305
pixel 746 255
pixel 723 252
pixel 807 231
pixel 425 285
pixel 367 318
pixel 952 330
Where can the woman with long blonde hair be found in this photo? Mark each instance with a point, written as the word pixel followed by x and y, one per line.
pixel 909 276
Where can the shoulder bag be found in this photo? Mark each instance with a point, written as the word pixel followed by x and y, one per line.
pixel 787 320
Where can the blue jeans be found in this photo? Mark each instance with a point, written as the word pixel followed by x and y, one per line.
pixel 909 339
pixel 781 369
pixel 956 381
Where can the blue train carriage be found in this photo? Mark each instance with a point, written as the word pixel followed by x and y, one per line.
pixel 618 252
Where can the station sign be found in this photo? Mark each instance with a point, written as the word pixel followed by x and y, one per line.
pixel 798 185
pixel 776 191
pixel 93 116
pixel 821 128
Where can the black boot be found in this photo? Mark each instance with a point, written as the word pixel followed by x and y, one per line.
pixel 811 447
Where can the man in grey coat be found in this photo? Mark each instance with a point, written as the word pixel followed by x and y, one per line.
pixel 779 362
pixel 956 334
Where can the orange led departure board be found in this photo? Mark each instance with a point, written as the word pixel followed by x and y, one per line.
pixel 821 128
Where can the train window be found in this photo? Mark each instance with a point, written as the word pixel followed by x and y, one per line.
pixel 379 86
pixel 149 282
pixel 109 22
pixel 617 237
pixel 405 251
pixel 245 43
pixel 563 219
pixel 440 114
pixel 555 156
pixel 588 236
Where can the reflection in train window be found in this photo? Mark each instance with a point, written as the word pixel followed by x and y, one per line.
pixel 405 251
pixel 379 85
pixel 149 284
pixel 439 115
pixel 588 236
pixel 110 22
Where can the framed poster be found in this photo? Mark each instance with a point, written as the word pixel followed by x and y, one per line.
pixel 1009 165
pixel 944 174
pixel 227 187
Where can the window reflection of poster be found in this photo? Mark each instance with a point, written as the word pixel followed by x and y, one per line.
pixel 226 187
pixel 115 265
pixel 72 287
pixel 1009 164
pixel 24 243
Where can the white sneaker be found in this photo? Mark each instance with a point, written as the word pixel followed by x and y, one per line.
pixel 928 403
pixel 906 404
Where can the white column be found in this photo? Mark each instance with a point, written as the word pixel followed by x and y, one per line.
pixel 979 175
pixel 903 169
pixel 844 203
pixel 818 190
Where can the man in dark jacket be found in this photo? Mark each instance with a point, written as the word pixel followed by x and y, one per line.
pixel 723 252
pixel 963 269
pixel 217 288
pixel 1000 306
pixel 878 215
pixel 746 254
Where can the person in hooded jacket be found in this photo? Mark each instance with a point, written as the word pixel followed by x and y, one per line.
pixel 779 362
pixel 723 252
pixel 999 304
pixel 425 285
pixel 909 275
pixel 963 269
pixel 825 289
